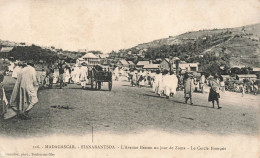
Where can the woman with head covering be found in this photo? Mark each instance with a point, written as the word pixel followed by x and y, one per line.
pixel 214 90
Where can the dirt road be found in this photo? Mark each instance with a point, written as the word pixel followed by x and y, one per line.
pixel 127 109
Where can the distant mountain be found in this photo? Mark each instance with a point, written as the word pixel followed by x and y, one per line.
pixel 242 44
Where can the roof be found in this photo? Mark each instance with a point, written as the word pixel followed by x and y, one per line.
pixel 131 63
pixel 167 59
pixel 238 66
pixel 151 66
pixel 256 69
pixel 247 76
pixel 124 62
pixel 184 65
pixel 193 64
pixel 89 55
pixel 6 49
pixel 140 63
pixel 225 76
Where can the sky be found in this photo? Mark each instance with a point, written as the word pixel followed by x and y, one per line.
pixel 107 25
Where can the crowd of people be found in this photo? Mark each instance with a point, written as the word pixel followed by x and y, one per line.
pixel 166 83
pixel 61 74
pixel 163 83
pixel 28 81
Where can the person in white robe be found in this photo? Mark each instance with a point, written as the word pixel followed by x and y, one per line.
pixel 55 75
pixel 24 95
pixel 66 75
pixel 158 83
pixel 17 70
pixel 152 75
pixel 170 84
pixel 76 74
pixel 116 73
pixel 84 75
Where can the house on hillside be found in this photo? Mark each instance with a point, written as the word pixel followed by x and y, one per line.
pixel 151 67
pixel 105 62
pixel 189 66
pixel 169 64
pixel 140 64
pixel 256 71
pixel 6 49
pixel 238 66
pixel 122 63
pixel 90 59
pixel 166 64
pixel 241 77
pixel 225 77
pixel 131 65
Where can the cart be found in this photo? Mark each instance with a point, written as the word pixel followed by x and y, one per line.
pixel 99 74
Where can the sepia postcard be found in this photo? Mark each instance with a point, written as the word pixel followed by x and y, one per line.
pixel 129 78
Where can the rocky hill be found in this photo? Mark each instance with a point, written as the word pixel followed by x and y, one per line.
pixel 242 44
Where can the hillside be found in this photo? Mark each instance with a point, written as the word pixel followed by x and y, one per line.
pixel 241 44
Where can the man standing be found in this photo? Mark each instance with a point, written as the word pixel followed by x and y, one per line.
pixel 188 87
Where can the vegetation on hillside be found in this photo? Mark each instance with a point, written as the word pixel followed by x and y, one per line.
pixel 211 48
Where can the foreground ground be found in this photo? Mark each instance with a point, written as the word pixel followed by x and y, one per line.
pixel 129 109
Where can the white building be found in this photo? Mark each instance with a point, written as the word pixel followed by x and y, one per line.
pixel 90 59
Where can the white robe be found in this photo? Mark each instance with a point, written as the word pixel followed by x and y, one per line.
pixel 55 75
pixel 67 76
pixel 170 83
pixel 158 83
pixel 76 75
pixel 24 95
pixel 16 71
pixel 116 72
pixel 83 73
